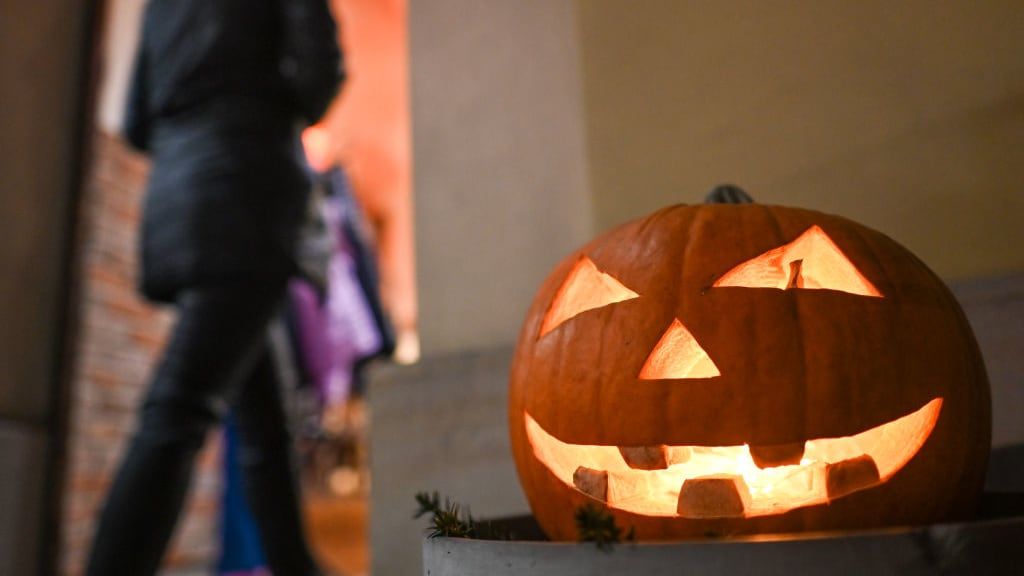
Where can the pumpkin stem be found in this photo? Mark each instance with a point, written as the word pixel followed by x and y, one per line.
pixel 728 194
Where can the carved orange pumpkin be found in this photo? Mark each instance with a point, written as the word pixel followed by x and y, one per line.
pixel 733 369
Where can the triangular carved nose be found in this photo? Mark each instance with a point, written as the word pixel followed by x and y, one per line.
pixel 678 355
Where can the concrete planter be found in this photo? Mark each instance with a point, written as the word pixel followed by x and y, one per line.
pixel 991 545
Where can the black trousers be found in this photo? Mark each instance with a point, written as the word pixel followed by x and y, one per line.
pixel 218 356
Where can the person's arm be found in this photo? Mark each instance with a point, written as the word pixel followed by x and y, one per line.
pixel 311 62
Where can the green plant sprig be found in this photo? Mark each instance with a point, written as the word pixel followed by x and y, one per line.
pixel 597 525
pixel 450 520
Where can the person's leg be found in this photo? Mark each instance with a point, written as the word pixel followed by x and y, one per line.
pixel 265 455
pixel 218 337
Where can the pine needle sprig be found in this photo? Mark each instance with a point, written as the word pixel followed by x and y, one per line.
pixel 429 503
pixel 451 520
pixel 447 520
pixel 597 525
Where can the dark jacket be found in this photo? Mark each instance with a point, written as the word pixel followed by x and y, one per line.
pixel 219 90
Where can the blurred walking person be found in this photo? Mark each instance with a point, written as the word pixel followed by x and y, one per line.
pixel 219 92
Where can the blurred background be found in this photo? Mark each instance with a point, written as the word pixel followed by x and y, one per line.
pixel 484 141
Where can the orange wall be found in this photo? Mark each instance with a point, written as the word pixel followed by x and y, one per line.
pixel 370 123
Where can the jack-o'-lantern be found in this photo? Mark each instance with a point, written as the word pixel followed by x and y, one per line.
pixel 736 369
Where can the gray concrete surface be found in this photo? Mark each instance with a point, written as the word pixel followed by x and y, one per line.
pixel 500 173
pixel 439 425
pixel 976 548
pixel 995 308
pixel 22 461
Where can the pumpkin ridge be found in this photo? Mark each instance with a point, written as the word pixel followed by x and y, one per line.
pixel 796 305
pixel 759 428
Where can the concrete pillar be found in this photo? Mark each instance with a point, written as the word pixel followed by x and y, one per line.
pixel 44 49
pixel 500 194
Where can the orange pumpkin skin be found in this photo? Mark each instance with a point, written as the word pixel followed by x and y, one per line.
pixel 794 365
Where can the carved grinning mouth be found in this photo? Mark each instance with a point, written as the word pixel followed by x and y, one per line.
pixel 724 481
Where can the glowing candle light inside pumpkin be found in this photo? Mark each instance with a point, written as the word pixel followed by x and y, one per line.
pixel 773 490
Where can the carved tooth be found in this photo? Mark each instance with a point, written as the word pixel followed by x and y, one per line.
pixel 796 278
pixel 646 457
pixel 717 496
pixel 679 454
pixel 591 482
pixel 850 475
pixel 769 456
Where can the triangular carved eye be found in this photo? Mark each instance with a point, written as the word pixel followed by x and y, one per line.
pixel 678 355
pixel 811 261
pixel 584 289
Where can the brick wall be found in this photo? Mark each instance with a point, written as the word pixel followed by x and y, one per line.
pixel 119 340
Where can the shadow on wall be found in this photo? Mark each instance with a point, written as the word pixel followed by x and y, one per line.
pixel 1006 469
pixel 995 308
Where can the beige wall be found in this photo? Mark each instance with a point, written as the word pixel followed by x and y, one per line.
pixel 906 116
pixel 499 161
